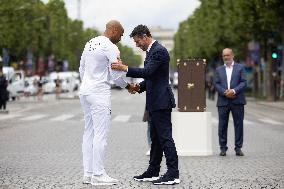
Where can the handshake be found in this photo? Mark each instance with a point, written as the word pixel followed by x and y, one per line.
pixel 119 66
pixel 133 88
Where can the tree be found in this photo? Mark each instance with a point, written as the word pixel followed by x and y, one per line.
pixel 58 27
pixel 42 29
pixel 128 56
pixel 217 24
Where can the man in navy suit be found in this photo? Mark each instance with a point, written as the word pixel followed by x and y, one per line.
pixel 159 102
pixel 230 82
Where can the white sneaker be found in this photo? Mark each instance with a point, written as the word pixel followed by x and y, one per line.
pixel 103 179
pixel 86 180
pixel 148 153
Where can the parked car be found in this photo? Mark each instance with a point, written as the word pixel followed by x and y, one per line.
pixel 31 85
pixel 69 80
pixel 48 85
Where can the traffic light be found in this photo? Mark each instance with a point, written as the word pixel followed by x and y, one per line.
pixel 274 55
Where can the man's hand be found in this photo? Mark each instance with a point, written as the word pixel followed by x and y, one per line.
pixel 133 88
pixel 119 66
pixel 229 93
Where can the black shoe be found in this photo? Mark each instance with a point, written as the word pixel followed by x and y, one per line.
pixel 147 176
pixel 223 153
pixel 239 152
pixel 166 179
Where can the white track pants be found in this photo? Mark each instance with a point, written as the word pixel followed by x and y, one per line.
pixel 97 116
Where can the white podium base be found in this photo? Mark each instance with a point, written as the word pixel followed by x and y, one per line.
pixel 192 133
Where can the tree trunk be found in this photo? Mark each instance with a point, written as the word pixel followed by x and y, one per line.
pixel 264 80
pixel 282 71
pixel 270 83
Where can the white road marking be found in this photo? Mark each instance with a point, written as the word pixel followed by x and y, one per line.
pixel 23 110
pixel 270 121
pixel 9 116
pixel 62 117
pixel 33 117
pixel 246 122
pixel 122 118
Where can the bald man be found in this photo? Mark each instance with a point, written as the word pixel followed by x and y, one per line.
pixel 230 83
pixel 95 97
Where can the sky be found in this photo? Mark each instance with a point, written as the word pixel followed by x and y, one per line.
pixel 164 13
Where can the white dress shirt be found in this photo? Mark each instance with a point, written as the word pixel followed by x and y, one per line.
pixel 229 71
pixel 149 47
pixel 95 67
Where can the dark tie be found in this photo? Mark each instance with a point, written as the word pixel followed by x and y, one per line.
pixel 145 60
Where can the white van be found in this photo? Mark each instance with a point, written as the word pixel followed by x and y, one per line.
pixel 8 72
pixel 16 84
pixel 69 80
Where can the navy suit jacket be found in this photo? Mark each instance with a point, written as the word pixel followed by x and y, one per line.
pixel 238 83
pixel 159 94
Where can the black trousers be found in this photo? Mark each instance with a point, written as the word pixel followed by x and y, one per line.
pixel 162 141
pixel 238 117
pixel 3 104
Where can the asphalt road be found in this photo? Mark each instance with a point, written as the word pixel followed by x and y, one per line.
pixel 40 147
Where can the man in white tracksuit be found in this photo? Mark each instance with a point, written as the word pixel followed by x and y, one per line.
pixel 95 97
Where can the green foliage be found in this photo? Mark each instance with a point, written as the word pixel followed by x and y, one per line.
pixel 45 29
pixel 217 24
pixel 128 56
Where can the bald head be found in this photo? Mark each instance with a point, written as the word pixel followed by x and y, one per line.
pixel 113 24
pixel 228 56
pixel 114 31
pixel 228 50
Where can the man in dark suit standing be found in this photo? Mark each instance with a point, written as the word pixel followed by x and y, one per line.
pixel 159 102
pixel 230 82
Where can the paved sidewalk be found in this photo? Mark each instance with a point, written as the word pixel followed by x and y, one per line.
pixel 44 154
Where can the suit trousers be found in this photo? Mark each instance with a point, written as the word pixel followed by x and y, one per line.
pixel 97 115
pixel 162 141
pixel 238 117
pixel 2 104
